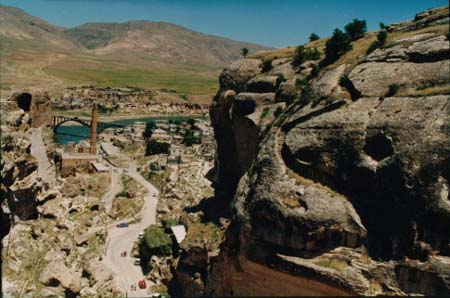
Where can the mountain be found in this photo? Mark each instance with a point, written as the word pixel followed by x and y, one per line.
pixel 157 39
pixel 148 54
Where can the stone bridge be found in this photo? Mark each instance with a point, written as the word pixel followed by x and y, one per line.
pixel 101 126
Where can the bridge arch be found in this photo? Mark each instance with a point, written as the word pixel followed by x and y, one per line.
pixel 62 121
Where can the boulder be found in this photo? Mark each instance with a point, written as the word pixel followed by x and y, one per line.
pixel 374 78
pixel 328 84
pixel 433 49
pixel 238 73
pixel 393 54
pixel 263 84
pixel 56 273
pixel 284 70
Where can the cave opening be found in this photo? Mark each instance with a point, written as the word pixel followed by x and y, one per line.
pixel 24 101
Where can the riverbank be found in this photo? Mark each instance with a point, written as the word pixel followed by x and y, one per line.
pixel 113 117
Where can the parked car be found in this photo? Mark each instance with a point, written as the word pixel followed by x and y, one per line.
pixel 137 262
pixel 122 225
pixel 142 284
pixel 125 171
pixel 156 295
pixel 141 234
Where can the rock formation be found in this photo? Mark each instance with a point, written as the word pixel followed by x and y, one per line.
pixel 337 193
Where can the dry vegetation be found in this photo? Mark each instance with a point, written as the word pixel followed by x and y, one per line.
pixel 93 185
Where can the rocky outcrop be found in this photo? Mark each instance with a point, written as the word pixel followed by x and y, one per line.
pixel 56 273
pixel 348 195
pixel 374 78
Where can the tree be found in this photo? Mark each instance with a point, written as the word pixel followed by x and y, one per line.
pixel 154 147
pixel 313 37
pixel 382 26
pixel 267 65
pixel 381 37
pixel 336 46
pixel 149 126
pixel 189 139
pixel 356 29
pixel 302 54
pixel 244 52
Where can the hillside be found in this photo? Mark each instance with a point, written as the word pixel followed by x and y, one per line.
pixel 40 56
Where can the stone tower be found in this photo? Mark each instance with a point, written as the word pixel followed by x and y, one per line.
pixel 94 129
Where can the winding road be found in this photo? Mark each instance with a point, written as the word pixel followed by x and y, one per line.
pixel 122 239
pixel 45 169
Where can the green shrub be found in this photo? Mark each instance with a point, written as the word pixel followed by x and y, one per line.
pixel 264 113
pixel 154 147
pixel 301 82
pixel 267 65
pixel 356 29
pixel 278 111
pixel 393 89
pixel 281 78
pixel 382 26
pixel 303 54
pixel 156 242
pixel 336 46
pixel 381 37
pixel 189 139
pixel 307 95
pixel 313 37
pixel 315 71
pixel 149 126
pixel 244 52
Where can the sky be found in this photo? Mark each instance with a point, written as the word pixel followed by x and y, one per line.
pixel 275 23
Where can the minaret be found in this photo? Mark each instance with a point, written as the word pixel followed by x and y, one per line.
pixel 94 129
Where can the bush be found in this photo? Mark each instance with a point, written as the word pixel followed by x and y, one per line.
pixel 315 71
pixel 393 89
pixel 307 95
pixel 382 26
pixel 264 113
pixel 301 82
pixel 267 65
pixel 303 54
pixel 336 46
pixel 244 52
pixel 189 139
pixel 156 242
pixel 149 126
pixel 356 29
pixel 154 147
pixel 381 37
pixel 278 111
pixel 313 37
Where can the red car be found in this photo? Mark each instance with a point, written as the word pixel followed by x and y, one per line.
pixel 142 284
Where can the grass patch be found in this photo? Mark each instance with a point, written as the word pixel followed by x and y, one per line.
pixel 123 208
pixel 113 76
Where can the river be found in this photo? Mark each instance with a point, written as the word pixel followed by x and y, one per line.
pixel 77 133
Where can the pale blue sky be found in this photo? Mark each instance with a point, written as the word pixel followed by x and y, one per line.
pixel 277 23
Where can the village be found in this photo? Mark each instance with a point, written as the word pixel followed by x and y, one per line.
pixel 130 100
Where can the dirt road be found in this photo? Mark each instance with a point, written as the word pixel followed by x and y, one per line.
pixel 122 239
pixel 45 169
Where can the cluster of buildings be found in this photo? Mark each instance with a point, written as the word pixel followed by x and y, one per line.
pixel 130 99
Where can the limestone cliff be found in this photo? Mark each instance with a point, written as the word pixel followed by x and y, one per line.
pixel 339 186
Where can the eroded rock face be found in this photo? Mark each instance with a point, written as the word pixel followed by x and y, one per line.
pixel 351 194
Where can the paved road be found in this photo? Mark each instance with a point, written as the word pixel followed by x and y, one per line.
pixel 45 169
pixel 122 239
